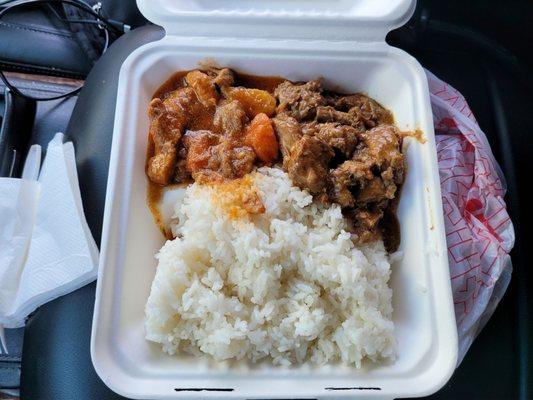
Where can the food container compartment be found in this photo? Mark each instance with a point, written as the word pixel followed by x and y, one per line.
pixel 423 308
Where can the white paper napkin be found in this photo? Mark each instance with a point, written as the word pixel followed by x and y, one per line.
pixel 62 255
pixel 18 208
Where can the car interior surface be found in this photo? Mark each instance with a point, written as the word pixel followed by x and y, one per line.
pixel 482 48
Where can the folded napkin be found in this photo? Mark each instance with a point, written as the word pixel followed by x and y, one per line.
pixel 46 248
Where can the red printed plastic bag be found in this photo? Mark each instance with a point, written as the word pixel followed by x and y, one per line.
pixel 479 232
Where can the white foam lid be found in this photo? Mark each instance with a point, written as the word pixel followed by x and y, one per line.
pixel 359 20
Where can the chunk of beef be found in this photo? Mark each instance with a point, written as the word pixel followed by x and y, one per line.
pixel 369 110
pixel 329 114
pixel 307 164
pixel 212 157
pixel 224 78
pixel 230 119
pixel 235 160
pixel 383 150
pixel 287 131
pixel 202 151
pixel 160 168
pixel 300 100
pixel 342 138
pixel 364 222
pixel 348 178
pixel 203 86
pixel 374 172
pixel 168 120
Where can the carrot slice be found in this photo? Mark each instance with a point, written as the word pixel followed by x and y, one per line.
pixel 260 136
pixel 254 101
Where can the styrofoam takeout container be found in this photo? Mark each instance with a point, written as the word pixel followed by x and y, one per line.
pixel 344 41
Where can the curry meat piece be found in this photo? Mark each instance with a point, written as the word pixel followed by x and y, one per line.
pixel 203 86
pixel 374 172
pixel 230 118
pixel 300 100
pixel 168 120
pixel 330 114
pixel 343 139
pixel 212 157
pixel 370 112
pixel 307 164
pixel 366 184
pixel 288 132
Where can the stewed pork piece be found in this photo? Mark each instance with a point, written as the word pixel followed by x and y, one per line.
pixel 222 77
pixel 230 118
pixel 300 100
pixel 215 158
pixel 288 132
pixel 370 111
pixel 203 86
pixel 367 183
pixel 330 114
pixel 168 121
pixel 342 139
pixel 307 164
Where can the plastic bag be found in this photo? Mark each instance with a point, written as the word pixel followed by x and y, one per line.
pixel 479 232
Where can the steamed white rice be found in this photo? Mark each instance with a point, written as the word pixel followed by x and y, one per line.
pixel 288 284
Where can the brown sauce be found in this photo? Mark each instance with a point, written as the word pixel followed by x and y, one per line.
pixel 176 81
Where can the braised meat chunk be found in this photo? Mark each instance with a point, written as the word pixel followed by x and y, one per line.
pixel 287 131
pixel 307 164
pixel 369 110
pixel 300 100
pixel 212 157
pixel 168 120
pixel 383 148
pixel 342 139
pixel 161 167
pixel 346 180
pixel 365 222
pixel 367 183
pixel 230 118
pixel 329 114
pixel 203 86
pixel 202 151
pixel 374 172
pixel 223 77
pixel 236 160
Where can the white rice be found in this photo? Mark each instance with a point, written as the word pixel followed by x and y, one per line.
pixel 288 284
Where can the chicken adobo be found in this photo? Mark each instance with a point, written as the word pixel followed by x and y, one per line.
pixel 215 125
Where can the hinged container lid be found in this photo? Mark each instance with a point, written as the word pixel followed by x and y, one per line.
pixel 354 20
